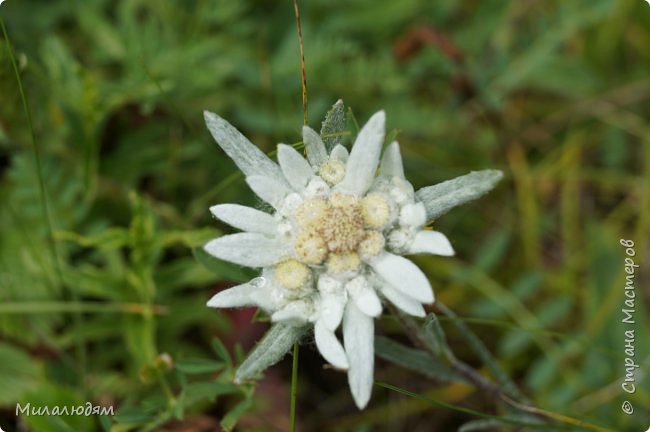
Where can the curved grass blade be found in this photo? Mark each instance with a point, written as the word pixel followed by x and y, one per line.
pixel 77 317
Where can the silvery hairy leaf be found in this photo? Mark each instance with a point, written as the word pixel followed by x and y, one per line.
pixel 248 158
pixel 439 199
pixel 270 350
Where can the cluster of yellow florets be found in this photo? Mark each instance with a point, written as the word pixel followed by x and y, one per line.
pixel 340 230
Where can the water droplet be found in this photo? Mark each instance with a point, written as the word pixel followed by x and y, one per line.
pixel 258 282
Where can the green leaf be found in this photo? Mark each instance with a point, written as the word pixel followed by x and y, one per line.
pixel 541 373
pixel 50 396
pixel 493 250
pixel 523 288
pixel 435 335
pixel 220 268
pixel 510 422
pixel 481 425
pixel 188 238
pixel 574 18
pixel 50 423
pixel 439 199
pixel 18 374
pixel 222 352
pixel 139 334
pixel 270 350
pixel 106 423
pixel 178 410
pixel 110 238
pixel 333 124
pixel 230 420
pixel 198 365
pixel 352 120
pixel 133 415
pixel 484 354
pixel 209 390
pixel 548 313
pixel 413 359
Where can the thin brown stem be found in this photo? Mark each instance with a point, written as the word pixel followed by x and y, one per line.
pixel 415 334
pixel 471 375
pixel 296 349
pixel 303 69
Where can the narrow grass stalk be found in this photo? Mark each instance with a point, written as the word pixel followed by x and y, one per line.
pixel 77 317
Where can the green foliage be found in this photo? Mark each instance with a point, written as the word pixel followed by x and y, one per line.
pixel 51 395
pixel 416 360
pixel 19 373
pixel 102 296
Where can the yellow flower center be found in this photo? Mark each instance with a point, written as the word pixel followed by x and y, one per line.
pixel 340 230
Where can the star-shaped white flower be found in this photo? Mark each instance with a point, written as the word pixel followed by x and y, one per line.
pixel 332 250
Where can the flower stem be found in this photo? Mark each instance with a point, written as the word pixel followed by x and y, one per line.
pixel 294 388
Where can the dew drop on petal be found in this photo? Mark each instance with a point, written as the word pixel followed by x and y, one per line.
pixel 258 282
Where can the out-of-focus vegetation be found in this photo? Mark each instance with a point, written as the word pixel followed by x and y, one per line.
pixel 99 281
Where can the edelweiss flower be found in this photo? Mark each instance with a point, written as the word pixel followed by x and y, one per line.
pixel 331 251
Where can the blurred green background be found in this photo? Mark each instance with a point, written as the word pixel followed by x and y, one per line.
pixel 103 300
